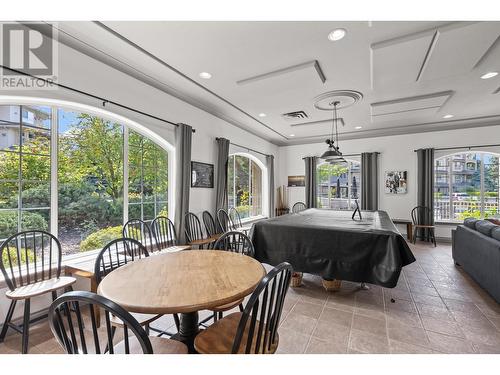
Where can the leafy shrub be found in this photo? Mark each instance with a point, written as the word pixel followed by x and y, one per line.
pixel 163 212
pixel 80 205
pixel 99 239
pixel 13 256
pixel 29 220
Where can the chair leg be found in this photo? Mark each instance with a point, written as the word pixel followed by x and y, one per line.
pixel 433 237
pixel 8 318
pixel 415 236
pixel 54 295
pixel 146 329
pixel 215 316
pixel 241 307
pixel 177 321
pixel 221 315
pixel 26 326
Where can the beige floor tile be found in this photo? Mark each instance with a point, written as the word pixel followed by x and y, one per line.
pixel 372 325
pixel 311 310
pixel 291 341
pixel 399 347
pixel 318 346
pixel 449 344
pixel 442 326
pixel 366 342
pixel 300 323
pixel 329 331
pixel 336 316
pixel 410 335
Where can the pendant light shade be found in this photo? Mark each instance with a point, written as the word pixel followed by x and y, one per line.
pixel 333 154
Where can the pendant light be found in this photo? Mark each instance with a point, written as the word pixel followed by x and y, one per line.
pixel 333 154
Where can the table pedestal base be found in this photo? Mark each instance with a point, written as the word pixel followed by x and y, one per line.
pixel 188 329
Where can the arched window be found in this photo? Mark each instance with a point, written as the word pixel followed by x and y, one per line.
pixel 245 185
pixel 466 185
pixel 77 175
pixel 338 185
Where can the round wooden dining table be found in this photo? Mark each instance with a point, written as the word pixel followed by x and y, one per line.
pixel 185 283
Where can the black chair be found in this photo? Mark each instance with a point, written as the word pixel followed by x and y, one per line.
pixel 421 216
pixel 235 217
pixel 75 337
pixel 255 330
pixel 140 231
pixel 31 265
pixel 224 221
pixel 298 207
pixel 236 242
pixel 194 232
pixel 165 235
pixel 116 254
pixel 209 223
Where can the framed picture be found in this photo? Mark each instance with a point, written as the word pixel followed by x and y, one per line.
pixel 296 180
pixel 202 175
pixel 396 182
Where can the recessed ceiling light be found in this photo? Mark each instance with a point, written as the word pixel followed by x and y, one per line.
pixel 292 135
pixel 262 115
pixel 447 116
pixel 358 127
pixel 337 34
pixel 205 75
pixel 489 75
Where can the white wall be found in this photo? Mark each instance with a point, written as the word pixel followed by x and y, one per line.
pixel 84 73
pixel 396 153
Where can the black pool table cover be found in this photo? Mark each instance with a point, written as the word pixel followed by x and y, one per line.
pixel 330 244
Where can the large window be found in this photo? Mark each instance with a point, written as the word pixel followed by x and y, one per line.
pixel 338 185
pixel 466 185
pixel 244 186
pixel 65 171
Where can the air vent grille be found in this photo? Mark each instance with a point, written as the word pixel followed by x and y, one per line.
pixel 297 115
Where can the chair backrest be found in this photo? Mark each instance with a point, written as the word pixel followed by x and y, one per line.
pixel 193 228
pixel 225 222
pixel 67 324
pixel 209 223
pixel 236 242
pixel 117 253
pixel 140 231
pixel 235 217
pixel 258 326
pixel 164 232
pixel 421 215
pixel 30 256
pixel 299 206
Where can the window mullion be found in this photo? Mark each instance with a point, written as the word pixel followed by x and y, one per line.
pixel 125 172
pixel 481 183
pixel 54 163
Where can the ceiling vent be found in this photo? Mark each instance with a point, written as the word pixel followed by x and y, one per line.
pixel 297 115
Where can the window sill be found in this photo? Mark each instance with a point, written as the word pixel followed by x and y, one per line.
pixel 67 259
pixel 253 219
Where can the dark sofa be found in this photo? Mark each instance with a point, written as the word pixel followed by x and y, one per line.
pixel 476 248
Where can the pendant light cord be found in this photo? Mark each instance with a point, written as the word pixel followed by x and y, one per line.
pixel 335 120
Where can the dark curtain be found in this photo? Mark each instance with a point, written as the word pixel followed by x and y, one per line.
pixel 425 190
pixel 270 172
pixel 369 181
pixel 222 161
pixel 311 200
pixel 183 135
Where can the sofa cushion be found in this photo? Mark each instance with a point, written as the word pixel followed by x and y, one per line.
pixel 495 233
pixel 470 223
pixel 485 227
pixel 494 220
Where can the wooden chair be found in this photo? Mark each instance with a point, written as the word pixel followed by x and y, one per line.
pixel 255 330
pixel 139 231
pixel 235 217
pixel 210 226
pixel 194 232
pixel 298 207
pixel 236 242
pixel 118 253
pixel 421 217
pixel 224 221
pixel 67 325
pixel 165 235
pixel 31 265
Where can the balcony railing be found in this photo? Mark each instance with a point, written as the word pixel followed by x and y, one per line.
pixel 444 211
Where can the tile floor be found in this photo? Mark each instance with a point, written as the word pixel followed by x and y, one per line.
pixel 437 309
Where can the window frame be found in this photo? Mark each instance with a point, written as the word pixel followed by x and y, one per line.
pixel 349 179
pixel 264 183
pixel 451 171
pixel 127 125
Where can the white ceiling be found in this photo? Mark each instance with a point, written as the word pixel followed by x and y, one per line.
pixel 410 73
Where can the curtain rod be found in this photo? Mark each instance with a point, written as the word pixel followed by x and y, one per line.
pixel 246 148
pixel 103 100
pixel 349 155
pixel 463 147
